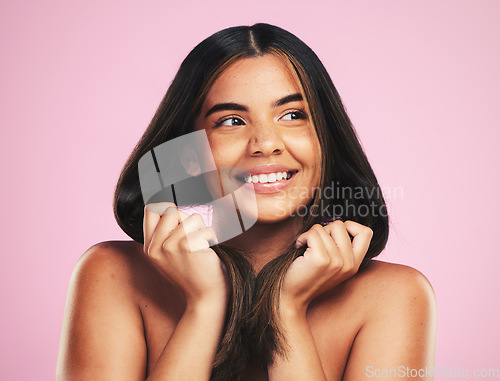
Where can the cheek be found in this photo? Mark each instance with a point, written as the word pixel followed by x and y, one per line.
pixel 306 149
pixel 226 151
pixel 314 152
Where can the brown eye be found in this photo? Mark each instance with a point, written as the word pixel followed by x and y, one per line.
pixel 233 121
pixel 294 115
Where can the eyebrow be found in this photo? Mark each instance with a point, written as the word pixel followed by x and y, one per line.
pixel 231 106
pixel 226 106
pixel 289 98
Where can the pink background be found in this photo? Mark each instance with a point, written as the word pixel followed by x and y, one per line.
pixel 80 81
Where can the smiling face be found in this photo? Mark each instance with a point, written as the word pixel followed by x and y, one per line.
pixel 258 124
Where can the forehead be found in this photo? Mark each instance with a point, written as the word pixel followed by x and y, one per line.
pixel 261 77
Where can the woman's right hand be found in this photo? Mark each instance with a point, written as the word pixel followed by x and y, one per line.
pixel 178 244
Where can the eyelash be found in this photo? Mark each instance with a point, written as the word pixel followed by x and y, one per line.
pixel 302 115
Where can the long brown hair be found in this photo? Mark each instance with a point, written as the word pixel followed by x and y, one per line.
pixel 252 328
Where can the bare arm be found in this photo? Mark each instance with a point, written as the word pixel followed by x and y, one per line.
pixel 102 336
pixel 191 349
pixel 103 333
pixel 302 360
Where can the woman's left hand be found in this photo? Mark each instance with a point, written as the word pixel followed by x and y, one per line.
pixel 330 258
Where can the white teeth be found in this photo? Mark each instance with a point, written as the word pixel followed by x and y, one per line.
pixel 268 178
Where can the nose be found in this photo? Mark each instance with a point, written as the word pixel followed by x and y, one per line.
pixel 265 140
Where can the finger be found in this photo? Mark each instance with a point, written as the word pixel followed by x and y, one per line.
pixel 201 239
pixel 152 215
pixel 361 241
pixel 192 223
pixel 337 257
pixel 330 245
pixel 338 233
pixel 159 207
pixel 159 230
pixel 301 239
pixel 148 226
pixel 315 246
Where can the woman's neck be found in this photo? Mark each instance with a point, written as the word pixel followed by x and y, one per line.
pixel 264 242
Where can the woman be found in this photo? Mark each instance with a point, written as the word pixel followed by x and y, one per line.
pixel 297 295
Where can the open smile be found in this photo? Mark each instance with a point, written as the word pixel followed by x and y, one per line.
pixel 268 178
pixel 265 178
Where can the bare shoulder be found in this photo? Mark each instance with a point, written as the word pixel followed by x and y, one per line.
pixel 120 271
pixel 108 264
pixel 377 288
pixel 112 257
pixel 102 325
pixel 398 324
pixel 391 284
pixel 111 252
pixel 386 273
pixel 382 317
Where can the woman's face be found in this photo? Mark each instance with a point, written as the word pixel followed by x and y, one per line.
pixel 258 125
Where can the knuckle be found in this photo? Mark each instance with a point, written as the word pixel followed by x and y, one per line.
pixel 159 207
pixel 349 268
pixel 349 264
pixel 351 271
pixel 196 217
pixel 323 261
pixel 170 209
pixel 152 248
pixel 184 244
pixel 336 262
pixel 316 227
pixel 369 232
pixel 212 234
pixel 316 233
pixel 155 251
pixel 354 270
pixel 167 247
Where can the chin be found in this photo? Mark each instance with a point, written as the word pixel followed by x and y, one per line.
pixel 278 211
pixel 271 219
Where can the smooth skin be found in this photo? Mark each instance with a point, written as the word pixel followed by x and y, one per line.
pixel 156 311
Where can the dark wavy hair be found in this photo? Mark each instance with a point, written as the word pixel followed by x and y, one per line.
pixel 252 331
